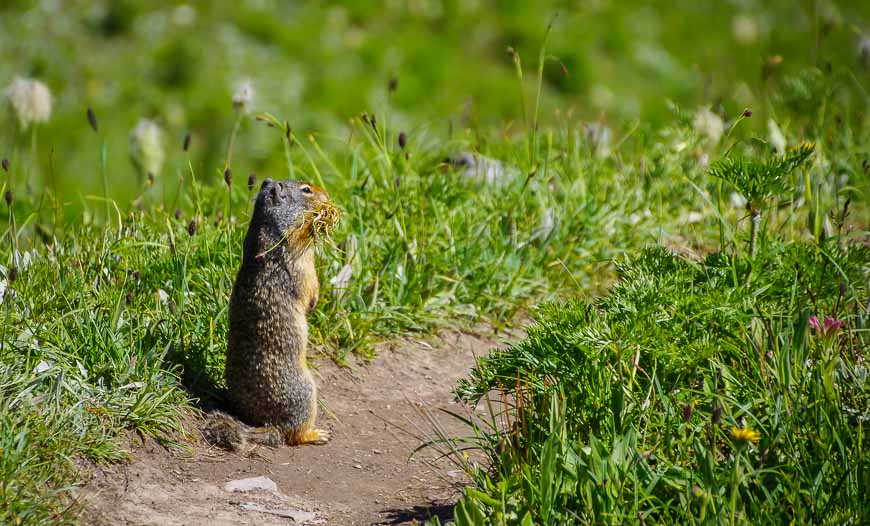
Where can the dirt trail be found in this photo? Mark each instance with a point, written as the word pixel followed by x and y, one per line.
pixel 362 476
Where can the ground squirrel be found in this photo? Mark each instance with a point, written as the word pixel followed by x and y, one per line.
pixel 268 381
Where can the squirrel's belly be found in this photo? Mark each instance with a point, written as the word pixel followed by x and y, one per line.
pixel 271 391
pixel 265 383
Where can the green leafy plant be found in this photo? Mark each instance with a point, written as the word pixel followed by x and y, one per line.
pixel 682 398
pixel 759 181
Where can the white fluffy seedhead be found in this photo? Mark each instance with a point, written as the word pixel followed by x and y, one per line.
pixel 243 98
pixel 146 147
pixel 30 100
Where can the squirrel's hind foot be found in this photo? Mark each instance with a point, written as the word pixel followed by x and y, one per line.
pixel 315 437
pixel 224 431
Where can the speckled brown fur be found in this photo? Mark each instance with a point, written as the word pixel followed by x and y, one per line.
pixel 268 381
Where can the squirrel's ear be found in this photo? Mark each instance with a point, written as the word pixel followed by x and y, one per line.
pixel 266 182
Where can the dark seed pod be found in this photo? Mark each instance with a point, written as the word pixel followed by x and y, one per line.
pixel 842 288
pixel 92 120
pixel 191 227
pixel 177 213
pixel 129 298
pixel 228 177
pixel 252 181
pixel 687 413
pixel 717 414
pixel 13 274
pixel 5 164
pixel 186 143
pixel 747 112
pixel 8 197
pixel 403 140
pixel 136 275
pixel 393 85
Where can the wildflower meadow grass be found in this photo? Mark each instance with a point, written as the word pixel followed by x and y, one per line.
pixel 685 224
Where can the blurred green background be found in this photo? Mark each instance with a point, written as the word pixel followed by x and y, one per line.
pixel 319 64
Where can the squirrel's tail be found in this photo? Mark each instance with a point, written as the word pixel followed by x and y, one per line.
pixel 224 431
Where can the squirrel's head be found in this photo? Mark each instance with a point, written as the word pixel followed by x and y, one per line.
pixel 281 207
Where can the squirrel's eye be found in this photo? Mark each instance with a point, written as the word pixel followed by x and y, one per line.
pixel 306 190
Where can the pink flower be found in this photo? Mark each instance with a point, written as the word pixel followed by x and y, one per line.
pixel 827 328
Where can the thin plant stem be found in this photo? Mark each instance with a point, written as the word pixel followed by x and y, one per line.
pixel 232 141
pixel 721 219
pixel 734 477
pixel 105 180
pixel 542 58
pixel 754 222
pixel 5 323
pixel 31 168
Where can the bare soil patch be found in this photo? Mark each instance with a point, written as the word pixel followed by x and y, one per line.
pixel 364 475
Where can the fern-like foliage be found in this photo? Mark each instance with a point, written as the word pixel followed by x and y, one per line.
pixel 759 180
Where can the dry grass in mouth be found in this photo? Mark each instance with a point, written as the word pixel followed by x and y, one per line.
pixel 315 226
pixel 322 220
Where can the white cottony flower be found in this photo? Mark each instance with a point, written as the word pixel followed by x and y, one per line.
pixel 243 98
pixel 864 51
pixel 482 168
pixel 737 201
pixel 25 260
pixel 709 124
pixel 775 136
pixel 146 147
pixel 341 281
pixel 30 99
pixel 184 15
pixel 599 137
pixel 546 224
pixel 690 218
pixel 745 29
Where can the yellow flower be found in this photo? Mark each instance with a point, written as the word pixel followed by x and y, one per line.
pixel 744 434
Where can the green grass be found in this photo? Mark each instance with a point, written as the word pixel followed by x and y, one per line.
pixel 623 409
pixel 115 302
pixel 321 66
pixel 696 390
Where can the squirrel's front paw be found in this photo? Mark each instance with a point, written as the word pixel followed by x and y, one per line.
pixel 319 437
pixel 315 437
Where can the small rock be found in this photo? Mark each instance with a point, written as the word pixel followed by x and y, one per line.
pixel 357 466
pixel 251 484
pixel 298 516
